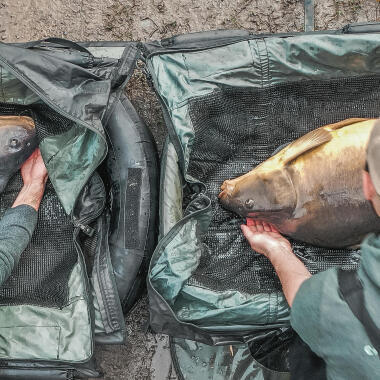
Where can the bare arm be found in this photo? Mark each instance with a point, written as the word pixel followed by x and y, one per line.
pixel 266 240
pixel 34 175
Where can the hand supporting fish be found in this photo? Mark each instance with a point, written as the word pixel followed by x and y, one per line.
pixel 18 140
pixel 312 189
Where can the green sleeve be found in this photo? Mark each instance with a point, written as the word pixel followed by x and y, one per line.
pixel 16 229
pixel 305 316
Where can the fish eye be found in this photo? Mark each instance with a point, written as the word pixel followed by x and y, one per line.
pixel 14 143
pixel 249 203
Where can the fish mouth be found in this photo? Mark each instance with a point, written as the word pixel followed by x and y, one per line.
pixel 232 205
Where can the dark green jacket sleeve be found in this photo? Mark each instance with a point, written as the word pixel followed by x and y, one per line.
pixel 306 311
pixel 16 229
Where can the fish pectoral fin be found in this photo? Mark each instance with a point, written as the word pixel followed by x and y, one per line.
pixel 344 123
pixel 305 143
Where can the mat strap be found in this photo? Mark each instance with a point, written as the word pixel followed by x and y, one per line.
pixel 351 290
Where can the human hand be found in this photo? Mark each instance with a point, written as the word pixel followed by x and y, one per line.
pixel 34 170
pixel 34 175
pixel 265 238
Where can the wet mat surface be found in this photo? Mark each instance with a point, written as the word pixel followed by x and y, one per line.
pixel 42 275
pixel 235 130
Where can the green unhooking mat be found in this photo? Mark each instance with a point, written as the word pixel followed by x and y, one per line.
pixel 230 101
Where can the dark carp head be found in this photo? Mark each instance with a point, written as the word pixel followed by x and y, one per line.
pixel 18 140
pixel 264 193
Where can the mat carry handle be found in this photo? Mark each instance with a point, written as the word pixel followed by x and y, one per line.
pixel 58 41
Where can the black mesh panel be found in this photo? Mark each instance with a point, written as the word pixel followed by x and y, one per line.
pixel 236 129
pixel 42 275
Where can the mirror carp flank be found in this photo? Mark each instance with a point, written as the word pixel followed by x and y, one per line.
pixel 311 190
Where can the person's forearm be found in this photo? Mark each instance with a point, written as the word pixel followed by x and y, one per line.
pixel 16 229
pixel 291 272
pixel 31 194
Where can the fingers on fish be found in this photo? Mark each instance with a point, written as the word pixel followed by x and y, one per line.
pixel 266 227
pixel 251 222
pixel 274 229
pixel 261 226
pixel 222 194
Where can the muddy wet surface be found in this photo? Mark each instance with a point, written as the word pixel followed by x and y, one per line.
pixel 145 355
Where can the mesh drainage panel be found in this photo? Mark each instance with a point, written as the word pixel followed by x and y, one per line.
pixel 41 277
pixel 238 128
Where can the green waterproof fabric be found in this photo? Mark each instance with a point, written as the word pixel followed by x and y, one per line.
pixel 180 76
pixel 70 159
pixel 32 332
pixel 14 91
pixel 257 63
pixel 178 255
pixel 26 77
pixel 29 76
pixel 193 360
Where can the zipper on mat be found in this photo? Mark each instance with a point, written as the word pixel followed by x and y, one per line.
pixel 121 327
pixel 83 225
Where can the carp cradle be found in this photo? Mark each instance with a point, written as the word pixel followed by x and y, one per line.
pixel 230 99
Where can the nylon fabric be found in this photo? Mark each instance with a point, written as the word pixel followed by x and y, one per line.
pixel 14 91
pixel 78 94
pixel 193 360
pixel 174 264
pixel 180 76
pixel 83 89
pixel 74 341
pixel 277 60
pixel 70 159
pixel 70 87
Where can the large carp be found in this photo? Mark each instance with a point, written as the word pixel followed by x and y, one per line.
pixel 311 190
pixel 18 140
